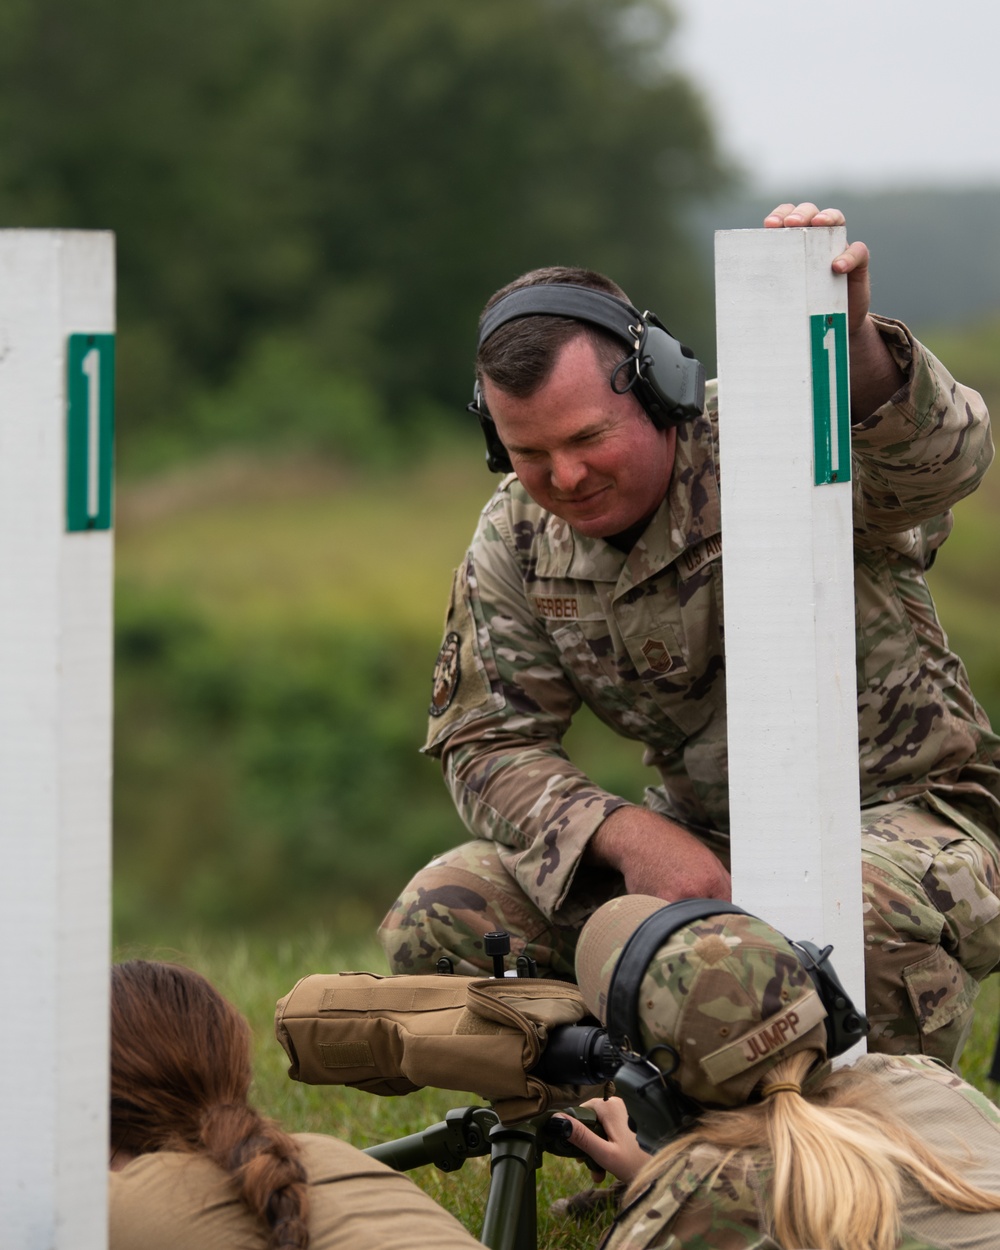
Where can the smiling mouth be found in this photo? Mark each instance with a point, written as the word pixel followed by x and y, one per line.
pixel 577 501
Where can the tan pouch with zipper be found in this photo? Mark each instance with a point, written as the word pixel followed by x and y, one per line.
pixel 393 1035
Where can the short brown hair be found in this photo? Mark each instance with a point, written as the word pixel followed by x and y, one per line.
pixel 519 356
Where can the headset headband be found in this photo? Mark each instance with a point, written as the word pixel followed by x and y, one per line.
pixel 561 299
pixel 845 1025
pixel 623 998
pixel 661 372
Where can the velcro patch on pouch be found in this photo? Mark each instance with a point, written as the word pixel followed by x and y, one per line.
pixel 472 1024
pixel 346 1055
pixel 766 1039
pixel 388 995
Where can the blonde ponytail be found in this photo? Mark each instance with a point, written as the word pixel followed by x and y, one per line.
pixel 838 1158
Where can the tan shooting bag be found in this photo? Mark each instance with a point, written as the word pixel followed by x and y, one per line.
pixel 394 1035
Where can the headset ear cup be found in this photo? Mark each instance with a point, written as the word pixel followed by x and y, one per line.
pixel 671 386
pixel 497 457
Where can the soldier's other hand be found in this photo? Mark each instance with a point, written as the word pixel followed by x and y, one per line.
pixel 657 857
pixel 853 262
pixel 618 1152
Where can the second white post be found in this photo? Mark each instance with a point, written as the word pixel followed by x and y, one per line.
pixel 789 587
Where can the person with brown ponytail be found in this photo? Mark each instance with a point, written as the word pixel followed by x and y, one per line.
pixel 778 1150
pixel 195 1166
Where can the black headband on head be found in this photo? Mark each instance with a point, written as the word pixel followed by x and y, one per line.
pixel 664 375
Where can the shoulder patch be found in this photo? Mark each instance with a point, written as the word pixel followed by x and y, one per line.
pixel 447 674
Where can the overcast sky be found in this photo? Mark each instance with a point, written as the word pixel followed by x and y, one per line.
pixel 858 93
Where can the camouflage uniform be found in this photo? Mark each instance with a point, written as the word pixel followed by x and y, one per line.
pixel 698 1204
pixel 728 999
pixel 543 619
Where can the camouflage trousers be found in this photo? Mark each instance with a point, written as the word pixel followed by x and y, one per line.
pixel 931 919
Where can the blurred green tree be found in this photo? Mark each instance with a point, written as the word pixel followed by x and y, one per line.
pixel 357 178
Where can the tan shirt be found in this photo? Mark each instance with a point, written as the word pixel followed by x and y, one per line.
pixel 176 1201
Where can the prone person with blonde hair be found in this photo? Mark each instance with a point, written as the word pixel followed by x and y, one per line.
pixel 776 1149
pixel 195 1166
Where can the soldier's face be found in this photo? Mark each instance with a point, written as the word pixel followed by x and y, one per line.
pixel 582 451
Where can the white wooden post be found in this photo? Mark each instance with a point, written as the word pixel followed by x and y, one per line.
pixel 55 734
pixel 788 587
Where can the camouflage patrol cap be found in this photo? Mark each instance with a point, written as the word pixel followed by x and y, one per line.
pixel 728 993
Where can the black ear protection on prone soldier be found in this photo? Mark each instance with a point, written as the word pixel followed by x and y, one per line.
pixel 658 1108
pixel 661 372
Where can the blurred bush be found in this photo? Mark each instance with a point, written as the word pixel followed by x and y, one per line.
pixel 269 779
pixel 337 188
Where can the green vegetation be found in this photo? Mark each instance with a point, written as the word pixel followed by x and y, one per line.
pixel 312 200
pixel 253 972
pixel 277 628
pixel 278 621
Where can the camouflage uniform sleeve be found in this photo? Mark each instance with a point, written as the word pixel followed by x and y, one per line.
pixel 694 1205
pixel 500 707
pixel 921 452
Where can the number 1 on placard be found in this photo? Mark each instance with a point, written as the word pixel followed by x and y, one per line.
pixel 91 366
pixel 830 347
pixel 831 406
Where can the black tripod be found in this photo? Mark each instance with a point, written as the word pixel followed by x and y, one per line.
pixel 516 1152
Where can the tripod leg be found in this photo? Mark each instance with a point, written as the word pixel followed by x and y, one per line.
pixel 510 1222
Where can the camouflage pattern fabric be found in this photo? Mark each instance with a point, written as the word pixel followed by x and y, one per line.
pixel 543 619
pixel 726 994
pixel 467 892
pixel 700 1205
pixel 931 917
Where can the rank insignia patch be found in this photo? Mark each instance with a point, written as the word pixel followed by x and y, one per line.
pixel 657 656
pixel 447 674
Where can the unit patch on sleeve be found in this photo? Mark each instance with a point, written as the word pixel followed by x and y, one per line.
pixel 447 674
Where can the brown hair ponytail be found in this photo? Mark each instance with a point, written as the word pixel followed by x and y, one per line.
pixel 180 1075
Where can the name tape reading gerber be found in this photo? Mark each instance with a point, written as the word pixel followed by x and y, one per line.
pixel 557 607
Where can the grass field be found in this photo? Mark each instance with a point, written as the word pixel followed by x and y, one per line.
pixel 253 974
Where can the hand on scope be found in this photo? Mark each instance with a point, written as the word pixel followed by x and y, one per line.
pixel 618 1152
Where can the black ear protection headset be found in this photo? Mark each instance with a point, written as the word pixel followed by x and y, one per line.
pixel 662 373
pixel 658 1108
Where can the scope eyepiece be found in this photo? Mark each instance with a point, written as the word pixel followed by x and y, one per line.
pixel 578 1054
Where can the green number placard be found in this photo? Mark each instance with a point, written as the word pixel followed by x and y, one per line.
pixel 831 398
pixel 90 422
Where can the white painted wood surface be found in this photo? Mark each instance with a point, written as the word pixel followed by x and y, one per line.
pixel 55 761
pixel 789 600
